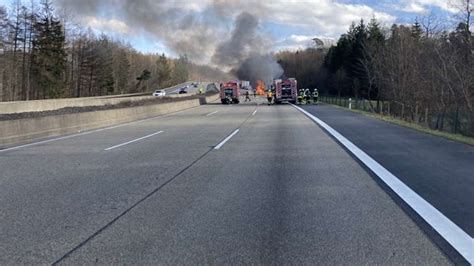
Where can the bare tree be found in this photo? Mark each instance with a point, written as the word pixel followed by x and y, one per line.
pixel 431 25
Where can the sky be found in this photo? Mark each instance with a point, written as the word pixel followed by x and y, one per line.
pixel 197 27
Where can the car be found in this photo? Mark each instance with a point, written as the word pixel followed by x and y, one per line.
pixel 211 87
pixel 183 90
pixel 159 93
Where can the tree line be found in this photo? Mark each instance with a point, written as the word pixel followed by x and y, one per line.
pixel 416 67
pixel 44 55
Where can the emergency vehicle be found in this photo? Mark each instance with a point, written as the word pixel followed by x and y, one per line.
pixel 285 90
pixel 230 92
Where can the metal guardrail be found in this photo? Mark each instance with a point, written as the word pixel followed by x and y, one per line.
pixel 454 120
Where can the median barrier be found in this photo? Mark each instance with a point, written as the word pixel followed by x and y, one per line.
pixel 23 130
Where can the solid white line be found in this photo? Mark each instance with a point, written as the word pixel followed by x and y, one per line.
pixel 213 113
pixel 453 234
pixel 255 112
pixel 226 139
pixel 92 131
pixel 132 141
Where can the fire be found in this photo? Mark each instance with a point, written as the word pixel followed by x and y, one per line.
pixel 260 87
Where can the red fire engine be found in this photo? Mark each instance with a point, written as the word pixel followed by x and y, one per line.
pixel 285 90
pixel 230 92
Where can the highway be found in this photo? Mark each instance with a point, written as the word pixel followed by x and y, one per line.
pixel 242 184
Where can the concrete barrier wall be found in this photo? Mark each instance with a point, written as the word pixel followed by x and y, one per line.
pixel 48 105
pixel 55 104
pixel 23 130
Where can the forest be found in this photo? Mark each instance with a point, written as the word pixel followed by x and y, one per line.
pixel 44 55
pixel 424 70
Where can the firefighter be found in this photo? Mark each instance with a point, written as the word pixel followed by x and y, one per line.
pixel 315 96
pixel 300 96
pixel 269 97
pixel 247 96
pixel 307 96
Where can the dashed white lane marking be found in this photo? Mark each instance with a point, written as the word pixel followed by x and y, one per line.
pixel 132 141
pixel 226 139
pixel 213 113
pixel 92 131
pixel 452 233
pixel 255 112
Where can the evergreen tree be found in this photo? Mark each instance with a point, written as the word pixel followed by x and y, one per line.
pixel 142 83
pixel 416 30
pixel 375 32
pixel 49 55
pixel 163 70
pixel 105 77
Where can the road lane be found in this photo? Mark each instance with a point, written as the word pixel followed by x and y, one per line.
pixel 132 141
pixel 279 192
pixel 55 195
pixel 449 231
pixel 437 169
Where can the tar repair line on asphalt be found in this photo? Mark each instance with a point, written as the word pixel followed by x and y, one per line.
pixel 132 141
pixel 452 233
pixel 226 139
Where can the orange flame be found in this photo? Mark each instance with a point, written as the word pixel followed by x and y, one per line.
pixel 260 87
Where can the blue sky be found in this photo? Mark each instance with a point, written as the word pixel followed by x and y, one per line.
pixel 289 24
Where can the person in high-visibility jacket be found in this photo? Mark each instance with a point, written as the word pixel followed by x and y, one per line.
pixel 315 96
pixel 301 96
pixel 201 90
pixel 307 96
pixel 269 97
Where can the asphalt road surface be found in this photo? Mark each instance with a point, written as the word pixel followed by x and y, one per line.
pixel 217 184
pixel 439 170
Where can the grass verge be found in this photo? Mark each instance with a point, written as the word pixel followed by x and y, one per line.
pixel 393 120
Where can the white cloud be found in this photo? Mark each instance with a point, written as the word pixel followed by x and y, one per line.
pixel 423 6
pixel 300 42
pixel 326 17
pixel 414 8
pixel 106 25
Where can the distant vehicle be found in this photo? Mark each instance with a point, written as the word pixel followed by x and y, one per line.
pixel 195 84
pixel 183 90
pixel 285 90
pixel 211 87
pixel 230 92
pixel 159 93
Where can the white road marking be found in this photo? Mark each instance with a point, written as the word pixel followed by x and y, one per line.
pixel 92 131
pixel 213 113
pixel 132 141
pixel 226 139
pixel 452 233
pixel 255 112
